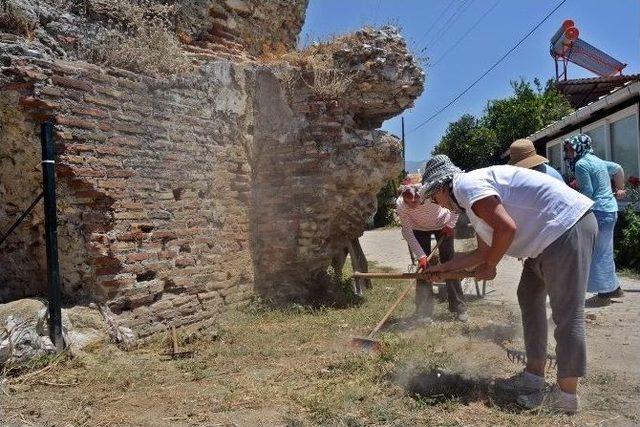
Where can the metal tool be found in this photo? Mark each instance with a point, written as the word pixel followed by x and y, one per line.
pixel 517 356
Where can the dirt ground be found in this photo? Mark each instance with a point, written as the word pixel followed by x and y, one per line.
pixel 294 367
pixel 613 332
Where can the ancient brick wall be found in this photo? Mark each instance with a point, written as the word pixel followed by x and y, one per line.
pixel 154 182
pixel 180 196
pixel 314 187
pixel 259 27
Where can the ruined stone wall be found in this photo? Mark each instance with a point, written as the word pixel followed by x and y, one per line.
pixel 181 196
pixel 155 186
pixel 313 191
pixel 259 27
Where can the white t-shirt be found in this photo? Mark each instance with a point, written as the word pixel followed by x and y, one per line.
pixel 542 207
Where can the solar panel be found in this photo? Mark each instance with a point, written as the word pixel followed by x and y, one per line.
pixel 567 46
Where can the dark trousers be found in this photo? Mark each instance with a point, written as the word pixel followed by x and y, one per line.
pixel 424 290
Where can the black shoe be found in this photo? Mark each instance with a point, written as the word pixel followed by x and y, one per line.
pixel 618 293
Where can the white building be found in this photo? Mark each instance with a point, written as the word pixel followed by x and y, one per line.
pixel 611 121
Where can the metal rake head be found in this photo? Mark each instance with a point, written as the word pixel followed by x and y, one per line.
pixel 517 356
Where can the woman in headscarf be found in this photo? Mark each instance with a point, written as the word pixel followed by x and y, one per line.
pixel 420 219
pixel 593 176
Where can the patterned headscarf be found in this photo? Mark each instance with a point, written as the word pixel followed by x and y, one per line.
pixel 581 143
pixel 438 172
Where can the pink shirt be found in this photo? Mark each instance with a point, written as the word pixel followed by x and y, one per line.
pixel 425 217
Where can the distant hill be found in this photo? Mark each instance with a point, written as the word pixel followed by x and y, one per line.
pixel 413 166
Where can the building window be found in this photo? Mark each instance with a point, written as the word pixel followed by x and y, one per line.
pixel 598 141
pixel 624 144
pixel 554 154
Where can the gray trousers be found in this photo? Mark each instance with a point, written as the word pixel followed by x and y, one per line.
pixel 562 272
pixel 424 291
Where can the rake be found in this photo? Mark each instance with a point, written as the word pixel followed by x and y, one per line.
pixel 517 356
pixel 368 343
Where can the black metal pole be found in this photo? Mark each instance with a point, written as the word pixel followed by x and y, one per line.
pixel 404 162
pixel 51 234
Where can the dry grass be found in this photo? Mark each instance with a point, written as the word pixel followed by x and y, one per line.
pixel 139 37
pixel 313 68
pixel 292 367
pixel 324 83
pixel 14 20
pixel 328 83
pixel 131 14
pixel 151 50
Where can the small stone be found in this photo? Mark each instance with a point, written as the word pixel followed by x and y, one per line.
pixel 238 6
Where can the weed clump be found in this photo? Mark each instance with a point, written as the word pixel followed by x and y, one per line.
pixel 139 37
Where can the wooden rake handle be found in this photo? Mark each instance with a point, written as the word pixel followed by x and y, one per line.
pixel 403 295
pixel 391 309
pixel 452 275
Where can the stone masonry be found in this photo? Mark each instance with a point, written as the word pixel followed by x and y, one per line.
pixel 183 195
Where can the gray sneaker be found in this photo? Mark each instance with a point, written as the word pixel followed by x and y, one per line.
pixel 553 401
pixel 462 316
pixel 519 384
pixel 421 320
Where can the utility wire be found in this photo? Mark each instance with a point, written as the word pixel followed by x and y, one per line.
pixel 473 27
pixel 449 24
pixel 434 23
pixel 434 115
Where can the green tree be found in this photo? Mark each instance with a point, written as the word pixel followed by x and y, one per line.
pixel 472 143
pixel 468 143
pixel 525 112
pixel 386 203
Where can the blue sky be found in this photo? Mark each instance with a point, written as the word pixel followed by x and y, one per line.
pixel 612 26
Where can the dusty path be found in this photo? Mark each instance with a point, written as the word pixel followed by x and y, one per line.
pixel 613 332
pixel 387 248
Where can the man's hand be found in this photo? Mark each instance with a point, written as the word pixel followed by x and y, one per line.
pixel 423 263
pixel 486 272
pixel 448 231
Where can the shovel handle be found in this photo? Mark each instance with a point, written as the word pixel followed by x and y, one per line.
pixel 437 248
pixel 407 276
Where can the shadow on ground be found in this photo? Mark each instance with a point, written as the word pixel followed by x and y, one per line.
pixel 438 385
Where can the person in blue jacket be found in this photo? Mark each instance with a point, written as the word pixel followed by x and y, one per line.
pixel 594 181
